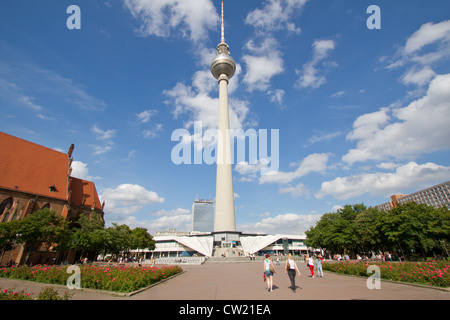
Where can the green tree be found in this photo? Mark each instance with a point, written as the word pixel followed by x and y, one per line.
pixel 44 228
pixel 88 233
pixel 141 239
pixel 367 228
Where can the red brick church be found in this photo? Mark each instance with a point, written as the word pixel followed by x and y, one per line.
pixel 33 177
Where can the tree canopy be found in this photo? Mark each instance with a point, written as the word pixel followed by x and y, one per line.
pixel 86 234
pixel 409 229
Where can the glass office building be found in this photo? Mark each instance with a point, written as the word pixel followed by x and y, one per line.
pixel 203 216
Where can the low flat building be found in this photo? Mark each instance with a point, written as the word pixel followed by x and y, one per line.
pixel 169 244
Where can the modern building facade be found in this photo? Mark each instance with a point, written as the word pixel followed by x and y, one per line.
pixel 203 216
pixel 170 244
pixel 436 196
pixel 33 177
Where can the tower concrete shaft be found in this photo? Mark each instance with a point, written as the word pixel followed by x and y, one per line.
pixel 223 68
pixel 224 212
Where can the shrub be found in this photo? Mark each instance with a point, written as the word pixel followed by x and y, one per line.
pixel 433 273
pixel 110 278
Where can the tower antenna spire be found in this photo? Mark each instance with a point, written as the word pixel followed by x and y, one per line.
pixel 223 28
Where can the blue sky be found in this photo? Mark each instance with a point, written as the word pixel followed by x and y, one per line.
pixel 362 113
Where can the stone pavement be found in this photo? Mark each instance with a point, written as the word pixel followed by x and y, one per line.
pixel 244 281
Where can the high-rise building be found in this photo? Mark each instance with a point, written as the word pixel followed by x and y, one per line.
pixel 223 68
pixel 436 196
pixel 203 216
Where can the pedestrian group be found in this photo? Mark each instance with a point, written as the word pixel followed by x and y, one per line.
pixel 291 269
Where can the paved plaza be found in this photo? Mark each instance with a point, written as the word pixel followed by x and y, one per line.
pixel 244 281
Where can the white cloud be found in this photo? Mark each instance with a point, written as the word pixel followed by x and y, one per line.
pixel 171 213
pixel 180 222
pixel 309 75
pixel 128 198
pixel 319 138
pixel 81 171
pixel 262 64
pixel 289 223
pixel 316 162
pixel 106 137
pixel 275 15
pixel 153 133
pixel 404 133
pixel 196 101
pixel 427 34
pixel 162 18
pixel 276 95
pixel 103 134
pixel 297 191
pixel 426 46
pixel 410 175
pixel 23 83
pixel 249 171
pixel 146 115
pixel 418 77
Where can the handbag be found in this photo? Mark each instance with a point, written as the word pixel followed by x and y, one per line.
pixel 272 269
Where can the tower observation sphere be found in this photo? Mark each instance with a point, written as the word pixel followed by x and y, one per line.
pixel 223 63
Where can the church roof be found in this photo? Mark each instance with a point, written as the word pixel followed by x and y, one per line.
pixel 32 168
pixel 38 170
pixel 84 194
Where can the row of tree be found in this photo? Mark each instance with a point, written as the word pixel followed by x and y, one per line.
pixel 409 230
pixel 48 231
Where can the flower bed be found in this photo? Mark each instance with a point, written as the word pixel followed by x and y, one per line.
pixel 433 273
pixel 110 278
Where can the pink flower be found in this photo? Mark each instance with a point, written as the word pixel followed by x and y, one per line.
pixel 5 291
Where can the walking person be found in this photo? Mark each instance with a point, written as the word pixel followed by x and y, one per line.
pixel 310 262
pixel 269 270
pixel 319 266
pixel 290 268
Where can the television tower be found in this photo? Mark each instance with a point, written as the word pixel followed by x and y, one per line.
pixel 223 68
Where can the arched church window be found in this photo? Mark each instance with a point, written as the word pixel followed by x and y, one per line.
pixel 5 208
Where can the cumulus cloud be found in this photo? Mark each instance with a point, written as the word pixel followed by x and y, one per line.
pixel 289 223
pixel 409 175
pixel 81 171
pixel 180 222
pixel 426 46
pixel 249 172
pixel 262 64
pixel 264 61
pixel 128 198
pixel 402 133
pixel 316 162
pixel 427 34
pixel 310 76
pixel 297 191
pixel 276 15
pixel 196 101
pixel 191 19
